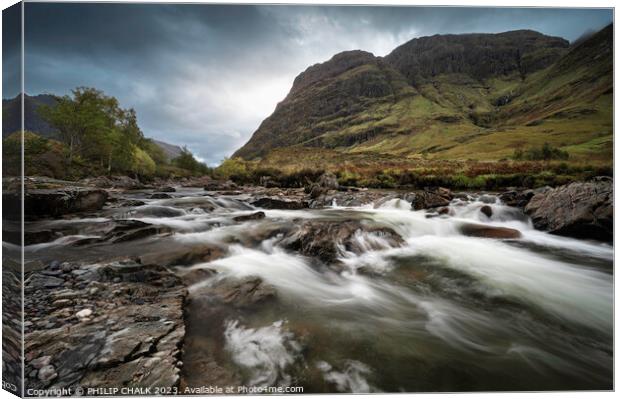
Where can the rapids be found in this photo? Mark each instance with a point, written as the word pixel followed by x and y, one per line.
pixel 442 312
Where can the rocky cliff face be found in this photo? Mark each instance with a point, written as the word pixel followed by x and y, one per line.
pixel 326 97
pixel 442 95
pixel 480 56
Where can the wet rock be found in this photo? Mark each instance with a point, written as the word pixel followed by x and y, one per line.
pixel 122 182
pixel 444 211
pixel 218 185
pixel 352 198
pixel 41 362
pixel 245 292
pixel 160 196
pixel 486 210
pixel 157 211
pixel 125 230
pixel 183 256
pixel 132 202
pixel 485 231
pixel 84 313
pixel 166 189
pixel 517 198
pixel 324 239
pixel 251 216
pixel 47 373
pixel 30 237
pixel 133 335
pixel 487 199
pixel 195 275
pixel 53 202
pixel 581 210
pixel 278 203
pixel 431 198
pixel 40 281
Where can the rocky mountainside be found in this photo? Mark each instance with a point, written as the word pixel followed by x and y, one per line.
pixel 11 120
pixel 471 96
pixel 35 123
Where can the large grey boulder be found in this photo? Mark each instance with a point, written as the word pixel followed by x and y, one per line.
pixel 431 198
pixel 325 239
pixel 54 202
pixel 581 210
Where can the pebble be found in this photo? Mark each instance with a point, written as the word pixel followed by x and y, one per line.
pixel 47 373
pixel 84 313
pixel 41 362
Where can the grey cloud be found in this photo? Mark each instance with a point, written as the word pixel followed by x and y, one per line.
pixel 206 75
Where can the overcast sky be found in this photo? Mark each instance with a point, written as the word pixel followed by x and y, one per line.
pixel 205 76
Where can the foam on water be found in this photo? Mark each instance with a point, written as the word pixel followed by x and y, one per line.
pixel 265 352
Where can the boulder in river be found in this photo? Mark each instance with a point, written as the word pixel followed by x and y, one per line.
pixel 243 292
pixel 486 210
pixel 53 202
pixel 580 210
pixel 517 198
pixel 160 196
pixel 430 198
pixel 279 203
pixel 183 256
pixel 166 189
pixel 324 239
pixel 252 216
pixel 486 231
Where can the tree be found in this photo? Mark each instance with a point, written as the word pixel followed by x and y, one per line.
pixel 187 161
pixel 95 127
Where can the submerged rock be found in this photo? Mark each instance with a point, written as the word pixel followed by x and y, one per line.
pixel 486 231
pixel 580 210
pixel 244 292
pixel 183 256
pixel 326 239
pixel 160 196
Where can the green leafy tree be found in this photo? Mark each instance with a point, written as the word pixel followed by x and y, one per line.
pixel 187 161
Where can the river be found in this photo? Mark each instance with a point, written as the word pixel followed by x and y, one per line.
pixel 441 312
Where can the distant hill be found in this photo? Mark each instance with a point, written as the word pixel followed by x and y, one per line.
pixel 456 97
pixel 35 123
pixel 172 151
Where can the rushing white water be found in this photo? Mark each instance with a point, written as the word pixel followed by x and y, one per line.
pixel 264 352
pixel 535 312
pixel 351 379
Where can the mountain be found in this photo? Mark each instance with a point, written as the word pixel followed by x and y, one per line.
pixel 11 120
pixel 35 123
pixel 170 150
pixel 470 96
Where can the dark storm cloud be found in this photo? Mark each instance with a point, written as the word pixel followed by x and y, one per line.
pixel 11 50
pixel 206 75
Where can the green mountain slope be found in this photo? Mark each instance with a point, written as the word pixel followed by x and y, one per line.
pixel 452 97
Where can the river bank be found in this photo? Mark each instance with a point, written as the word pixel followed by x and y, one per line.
pixel 334 289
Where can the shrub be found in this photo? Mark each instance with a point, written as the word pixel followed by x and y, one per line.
pixel 544 153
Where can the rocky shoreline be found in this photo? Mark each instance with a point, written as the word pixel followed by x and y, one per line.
pixel 123 322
